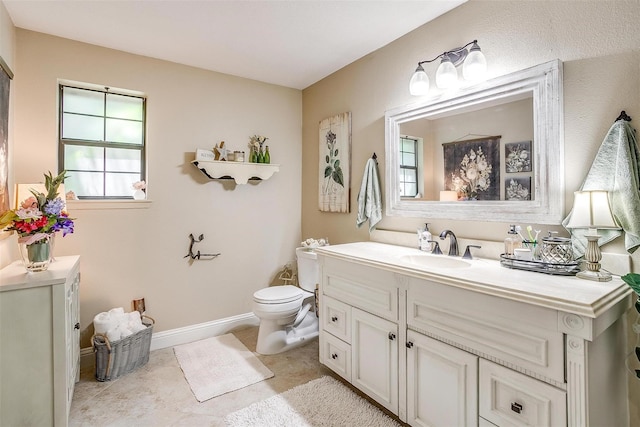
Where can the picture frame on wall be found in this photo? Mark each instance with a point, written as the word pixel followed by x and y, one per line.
pixel 6 75
pixel 517 188
pixel 517 157
pixel 334 164
pixel 472 168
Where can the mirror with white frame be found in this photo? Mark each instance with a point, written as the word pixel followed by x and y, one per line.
pixel 432 148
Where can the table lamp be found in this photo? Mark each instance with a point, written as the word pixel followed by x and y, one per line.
pixel 591 209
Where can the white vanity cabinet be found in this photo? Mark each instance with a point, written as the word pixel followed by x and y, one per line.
pixel 477 344
pixel 442 384
pixel 360 337
pixel 39 343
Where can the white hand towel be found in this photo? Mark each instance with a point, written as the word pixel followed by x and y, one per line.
pixel 103 322
pixel 370 196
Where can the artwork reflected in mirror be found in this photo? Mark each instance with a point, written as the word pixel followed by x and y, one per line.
pixel 472 168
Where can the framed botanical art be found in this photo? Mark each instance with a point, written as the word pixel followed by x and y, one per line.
pixel 472 168
pixel 517 188
pixel 334 183
pixel 5 78
pixel 517 157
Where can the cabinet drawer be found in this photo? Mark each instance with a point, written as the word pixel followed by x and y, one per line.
pixel 509 398
pixel 336 318
pixel 336 355
pixel 371 289
pixel 521 334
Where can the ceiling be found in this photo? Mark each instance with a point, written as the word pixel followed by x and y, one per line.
pixel 292 43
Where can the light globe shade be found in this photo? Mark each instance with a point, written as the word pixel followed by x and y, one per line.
pixel 591 209
pixel 446 75
pixel 475 65
pixel 419 83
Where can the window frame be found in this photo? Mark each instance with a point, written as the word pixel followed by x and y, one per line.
pixel 63 142
pixel 416 167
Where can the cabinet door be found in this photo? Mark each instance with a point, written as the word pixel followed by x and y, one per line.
pixel 374 355
pixel 442 384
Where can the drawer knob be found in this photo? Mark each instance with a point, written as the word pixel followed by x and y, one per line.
pixel 516 407
pixel 392 336
pixel 409 344
pixel 334 318
pixel 76 326
pixel 334 356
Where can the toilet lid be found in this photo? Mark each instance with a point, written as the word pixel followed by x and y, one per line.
pixel 278 294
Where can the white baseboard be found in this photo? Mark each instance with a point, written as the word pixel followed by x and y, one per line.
pixel 190 333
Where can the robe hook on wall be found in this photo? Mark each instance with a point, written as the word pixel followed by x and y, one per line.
pixel 198 255
pixel 623 116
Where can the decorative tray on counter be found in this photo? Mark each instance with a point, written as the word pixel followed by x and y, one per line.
pixel 568 269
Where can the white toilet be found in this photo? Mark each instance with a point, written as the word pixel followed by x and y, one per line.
pixel 285 312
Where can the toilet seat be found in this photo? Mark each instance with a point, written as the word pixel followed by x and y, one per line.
pixel 278 295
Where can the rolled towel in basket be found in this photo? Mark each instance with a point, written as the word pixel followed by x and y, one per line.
pixel 103 323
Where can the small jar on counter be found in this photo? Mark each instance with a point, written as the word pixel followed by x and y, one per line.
pixel 239 156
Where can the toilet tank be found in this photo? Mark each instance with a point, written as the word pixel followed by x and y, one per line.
pixel 308 269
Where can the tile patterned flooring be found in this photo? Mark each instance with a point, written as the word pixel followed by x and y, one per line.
pixel 157 394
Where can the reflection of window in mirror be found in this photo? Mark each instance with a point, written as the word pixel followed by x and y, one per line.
pixel 410 166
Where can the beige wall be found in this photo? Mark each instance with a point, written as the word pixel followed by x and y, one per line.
pixel 133 253
pixel 598 42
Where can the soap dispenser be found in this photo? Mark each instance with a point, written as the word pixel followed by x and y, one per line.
pixel 425 238
pixel 512 241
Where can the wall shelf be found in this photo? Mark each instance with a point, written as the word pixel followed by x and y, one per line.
pixel 240 172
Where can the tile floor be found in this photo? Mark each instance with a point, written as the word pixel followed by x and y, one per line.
pixel 157 394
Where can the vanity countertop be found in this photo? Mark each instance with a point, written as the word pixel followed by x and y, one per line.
pixel 566 293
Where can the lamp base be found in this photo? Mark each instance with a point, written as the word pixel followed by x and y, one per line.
pixel 598 276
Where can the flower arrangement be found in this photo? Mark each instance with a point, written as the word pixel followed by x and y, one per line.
pixel 40 215
pixel 139 185
pixel 475 175
pixel 257 141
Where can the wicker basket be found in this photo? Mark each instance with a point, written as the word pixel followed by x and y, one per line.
pixel 117 358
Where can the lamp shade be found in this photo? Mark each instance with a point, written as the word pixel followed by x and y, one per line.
pixel 591 209
pixel 448 196
pixel 419 83
pixel 446 74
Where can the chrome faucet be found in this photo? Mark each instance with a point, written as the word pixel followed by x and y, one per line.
pixel 453 242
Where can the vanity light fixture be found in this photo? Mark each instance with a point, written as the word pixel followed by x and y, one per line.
pixel 591 209
pixel 474 68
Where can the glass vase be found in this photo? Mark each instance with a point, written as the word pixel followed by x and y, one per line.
pixel 267 156
pixel 139 195
pixel 260 156
pixel 254 156
pixel 36 256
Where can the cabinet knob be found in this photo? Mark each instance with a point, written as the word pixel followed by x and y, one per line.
pixel 516 407
pixel 76 326
pixel 409 344
pixel 392 336
pixel 334 356
pixel 334 318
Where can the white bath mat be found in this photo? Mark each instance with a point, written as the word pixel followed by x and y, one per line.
pixel 218 365
pixel 324 402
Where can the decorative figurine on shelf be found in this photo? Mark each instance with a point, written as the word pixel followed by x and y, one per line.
pixel 139 187
pixel 255 143
pixel 220 152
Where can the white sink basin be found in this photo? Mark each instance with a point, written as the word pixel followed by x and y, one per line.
pixel 435 261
